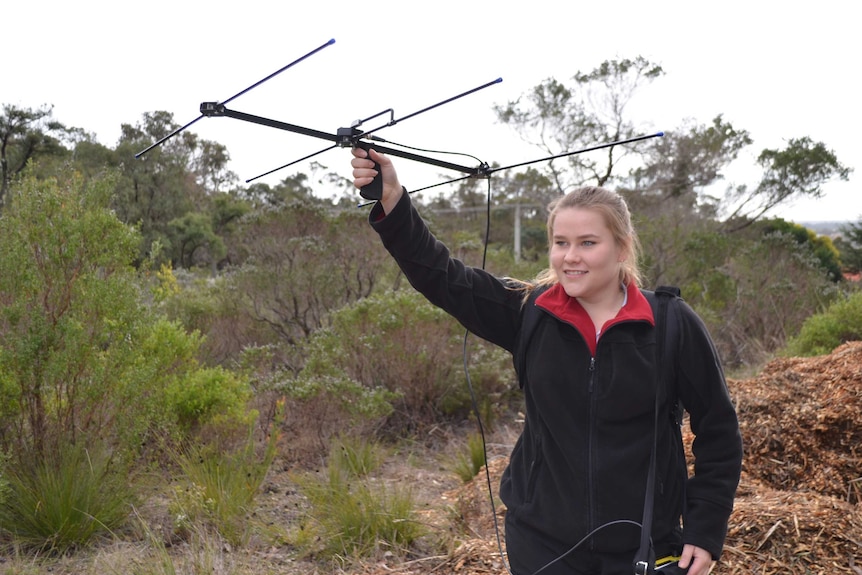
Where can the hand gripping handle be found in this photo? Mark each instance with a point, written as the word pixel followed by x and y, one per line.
pixel 373 190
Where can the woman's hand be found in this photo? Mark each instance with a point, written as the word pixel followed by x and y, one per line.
pixel 364 172
pixel 699 561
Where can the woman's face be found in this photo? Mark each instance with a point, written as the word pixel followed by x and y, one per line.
pixel 584 255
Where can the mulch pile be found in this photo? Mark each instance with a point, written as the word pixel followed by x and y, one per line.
pixel 799 504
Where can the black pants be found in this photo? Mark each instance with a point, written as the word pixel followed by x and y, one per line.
pixel 531 555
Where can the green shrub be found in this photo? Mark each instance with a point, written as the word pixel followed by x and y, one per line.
pixel 84 357
pixel 208 394
pixel 399 343
pixel 823 332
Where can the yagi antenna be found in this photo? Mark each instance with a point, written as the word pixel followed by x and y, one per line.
pixel 237 95
pixel 343 137
pixel 350 137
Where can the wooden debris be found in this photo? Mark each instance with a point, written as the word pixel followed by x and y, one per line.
pixel 798 508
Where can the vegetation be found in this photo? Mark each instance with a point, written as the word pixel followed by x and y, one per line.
pixel 159 320
pixel 65 501
pixel 823 332
pixel 471 459
pixel 218 488
pixel 352 517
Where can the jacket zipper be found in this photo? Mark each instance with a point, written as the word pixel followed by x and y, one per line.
pixel 591 447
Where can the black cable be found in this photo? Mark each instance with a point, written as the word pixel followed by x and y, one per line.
pixel 475 403
pixel 428 151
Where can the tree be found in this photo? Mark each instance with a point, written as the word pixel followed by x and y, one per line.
pixel 685 161
pixel 169 181
pixel 559 118
pixel 227 210
pixel 301 262
pixel 799 170
pixel 292 188
pixel 193 233
pixel 26 134
pixel 850 247
pixel 667 194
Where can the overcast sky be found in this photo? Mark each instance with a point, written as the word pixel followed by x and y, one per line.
pixel 779 70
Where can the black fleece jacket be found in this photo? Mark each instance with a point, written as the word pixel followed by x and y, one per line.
pixel 581 461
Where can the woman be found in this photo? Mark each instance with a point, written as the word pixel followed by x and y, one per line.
pixel 574 488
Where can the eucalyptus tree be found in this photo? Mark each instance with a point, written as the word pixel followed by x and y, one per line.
pixel 169 182
pixel 798 170
pixel 667 194
pixel 27 134
pixel 593 109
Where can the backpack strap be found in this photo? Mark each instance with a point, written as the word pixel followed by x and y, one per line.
pixel 668 294
pixel 644 561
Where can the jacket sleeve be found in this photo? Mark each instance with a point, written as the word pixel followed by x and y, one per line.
pixel 717 446
pixel 485 305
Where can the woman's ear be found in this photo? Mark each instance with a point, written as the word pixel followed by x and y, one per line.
pixel 625 251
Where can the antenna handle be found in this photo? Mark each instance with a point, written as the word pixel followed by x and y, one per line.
pixel 373 190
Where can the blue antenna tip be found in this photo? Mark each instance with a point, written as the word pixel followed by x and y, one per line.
pixel 498 80
pixel 660 134
pixel 331 41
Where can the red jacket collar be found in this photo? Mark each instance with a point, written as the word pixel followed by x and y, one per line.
pixel 566 308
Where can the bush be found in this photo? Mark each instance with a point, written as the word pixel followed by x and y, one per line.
pixel 70 312
pixel 398 343
pixel 83 358
pixel 823 332
pixel 207 395
pixel 771 301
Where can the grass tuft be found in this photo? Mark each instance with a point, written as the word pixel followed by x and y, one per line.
pixel 63 502
pixel 351 516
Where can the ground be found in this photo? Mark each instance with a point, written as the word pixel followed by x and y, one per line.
pixel 798 508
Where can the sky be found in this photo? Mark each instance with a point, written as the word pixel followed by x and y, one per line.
pixel 778 70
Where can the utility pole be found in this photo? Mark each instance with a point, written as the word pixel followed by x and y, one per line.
pixel 517 248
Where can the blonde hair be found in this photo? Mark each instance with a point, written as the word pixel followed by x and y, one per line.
pixel 615 212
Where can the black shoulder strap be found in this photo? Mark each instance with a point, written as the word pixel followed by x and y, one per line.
pixel 660 301
pixel 669 355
